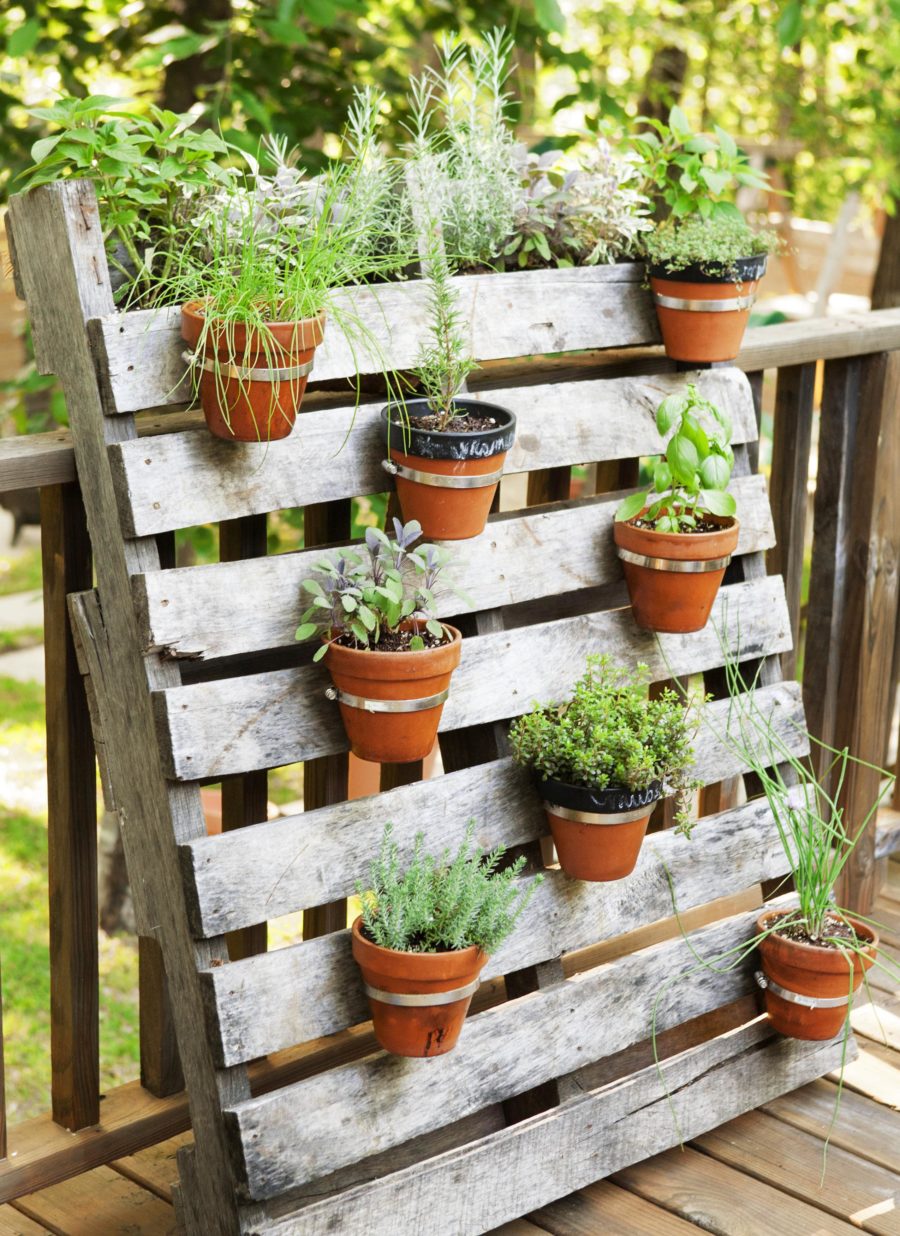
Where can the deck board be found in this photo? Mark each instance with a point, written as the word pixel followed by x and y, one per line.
pixel 756 1175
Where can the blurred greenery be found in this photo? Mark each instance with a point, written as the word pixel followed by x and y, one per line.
pixel 20 572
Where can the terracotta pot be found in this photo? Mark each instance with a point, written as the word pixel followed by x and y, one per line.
pixel 810 970
pixel 391 737
pixel 458 510
pixel 243 409
pixel 597 833
pixel 676 593
pixel 417 1029
pixel 691 333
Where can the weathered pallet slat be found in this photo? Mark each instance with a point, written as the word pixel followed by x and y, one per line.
pixel 179 480
pixel 214 610
pixel 741 846
pixel 297 861
pixel 379 1102
pixel 508 315
pixel 527 1165
pixel 264 720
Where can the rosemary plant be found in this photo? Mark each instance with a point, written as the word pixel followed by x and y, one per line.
pixel 444 903
pixel 444 363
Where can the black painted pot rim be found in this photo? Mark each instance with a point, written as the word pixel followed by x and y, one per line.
pixel 609 801
pixel 749 269
pixel 445 443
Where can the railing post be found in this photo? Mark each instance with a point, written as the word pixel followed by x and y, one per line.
pixel 71 821
pixel 864 697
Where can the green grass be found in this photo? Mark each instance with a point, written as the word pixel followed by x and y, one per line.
pixel 20 572
pixel 24 924
pixel 21 637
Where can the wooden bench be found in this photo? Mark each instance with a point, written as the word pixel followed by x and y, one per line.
pixel 193 676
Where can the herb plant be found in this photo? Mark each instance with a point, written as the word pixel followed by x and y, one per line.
pixel 444 363
pixel 144 167
pixel 693 173
pixel 689 482
pixel 611 734
pixel 716 245
pixel 443 904
pixel 367 594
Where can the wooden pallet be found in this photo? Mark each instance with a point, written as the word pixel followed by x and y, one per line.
pixel 193 675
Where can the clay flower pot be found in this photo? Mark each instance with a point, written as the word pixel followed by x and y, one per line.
pixel 673 577
pixel 447 480
pixel 597 833
pixel 259 385
pixel 418 1001
pixel 391 702
pixel 702 317
pixel 815 981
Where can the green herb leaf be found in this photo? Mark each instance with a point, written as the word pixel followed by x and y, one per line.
pixel 305 631
pixel 716 502
pixel 631 506
pixel 683 458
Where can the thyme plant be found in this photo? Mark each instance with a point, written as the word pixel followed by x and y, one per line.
pixel 610 733
pixel 363 596
pixel 444 903
pixel 690 481
pixel 715 245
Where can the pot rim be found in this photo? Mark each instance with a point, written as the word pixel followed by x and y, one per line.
pixel 405 653
pixel 695 273
pixel 471 953
pixel 818 950
pixel 194 308
pixel 591 798
pixel 446 434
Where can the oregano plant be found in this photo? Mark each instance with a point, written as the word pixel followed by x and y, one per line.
pixel 362 596
pixel 691 479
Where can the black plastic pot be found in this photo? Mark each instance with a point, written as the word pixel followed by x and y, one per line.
pixel 446 479
pixel 747 270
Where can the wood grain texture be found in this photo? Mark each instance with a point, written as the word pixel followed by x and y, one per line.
pixel 790 468
pixel 366 1107
pixel 740 847
pixel 71 821
pixel 99 1201
pixel 550 1155
pixel 513 314
pixel 723 1200
pixel 604 1207
pixel 869 1130
pixel 14 1223
pixel 264 720
pixel 62 268
pixel 178 480
pixel 763 1147
pixel 214 610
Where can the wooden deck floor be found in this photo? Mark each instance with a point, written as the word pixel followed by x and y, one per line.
pixel 760 1175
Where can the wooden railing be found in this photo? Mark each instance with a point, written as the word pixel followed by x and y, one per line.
pixel 849 675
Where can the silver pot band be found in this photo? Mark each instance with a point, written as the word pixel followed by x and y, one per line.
pixel 441 480
pixel 248 375
pixel 729 304
pixel 678 565
pixel 367 705
pixel 595 817
pixel 796 997
pixel 415 1000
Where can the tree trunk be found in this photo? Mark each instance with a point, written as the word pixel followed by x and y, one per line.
pixel 886 289
pixel 185 80
pixel 664 83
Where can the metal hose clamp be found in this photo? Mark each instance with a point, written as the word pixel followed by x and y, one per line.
pixel 367 705
pixel 730 304
pixel 247 375
pixel 596 817
pixel 421 999
pixel 441 480
pixel 796 997
pixel 679 566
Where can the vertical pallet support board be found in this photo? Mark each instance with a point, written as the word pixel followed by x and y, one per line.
pixel 301 1125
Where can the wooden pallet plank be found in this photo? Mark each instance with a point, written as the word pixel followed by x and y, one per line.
pixel 253 1018
pixel 14 1223
pixel 853 1189
pixel 155 1167
pixel 213 610
pixel 368 1106
pixel 548 1156
pixel 513 314
pixel 604 1207
pixel 230 877
pixel 722 1200
pixel 875 1073
pixel 855 1123
pixel 179 480
pixel 264 720
pixel 99 1201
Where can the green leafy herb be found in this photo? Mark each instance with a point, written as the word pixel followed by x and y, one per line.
pixel 443 903
pixel 690 481
pixel 611 734
pixel 716 245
